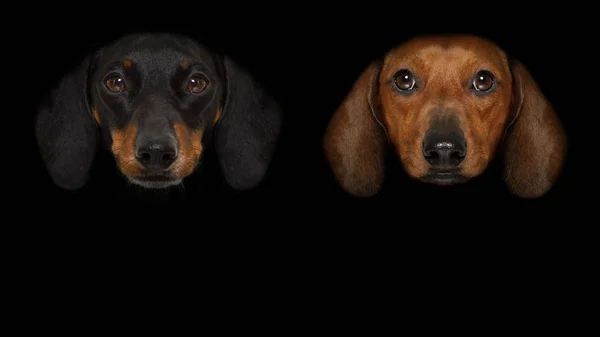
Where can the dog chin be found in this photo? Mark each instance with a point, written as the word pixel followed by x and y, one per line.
pixel 443 178
pixel 155 183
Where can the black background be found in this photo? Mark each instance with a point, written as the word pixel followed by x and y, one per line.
pixel 308 60
pixel 307 57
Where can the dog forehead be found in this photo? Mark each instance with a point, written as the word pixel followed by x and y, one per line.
pixel 447 52
pixel 156 51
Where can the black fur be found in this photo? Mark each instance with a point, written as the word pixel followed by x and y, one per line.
pixel 245 135
pixel 66 133
pixel 247 130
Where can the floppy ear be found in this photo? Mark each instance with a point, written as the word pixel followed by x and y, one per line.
pixel 536 142
pixel 247 130
pixel 66 132
pixel 354 141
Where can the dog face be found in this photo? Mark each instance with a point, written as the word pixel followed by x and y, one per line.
pixel 158 101
pixel 155 99
pixel 445 103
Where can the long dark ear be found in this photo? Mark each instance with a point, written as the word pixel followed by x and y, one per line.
pixel 247 129
pixel 354 140
pixel 536 142
pixel 66 132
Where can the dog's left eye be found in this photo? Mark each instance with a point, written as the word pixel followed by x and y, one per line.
pixel 197 85
pixel 483 81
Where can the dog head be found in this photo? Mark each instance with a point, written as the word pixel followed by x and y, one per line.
pixel 446 104
pixel 156 101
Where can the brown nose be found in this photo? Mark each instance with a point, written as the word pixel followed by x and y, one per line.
pixel 444 145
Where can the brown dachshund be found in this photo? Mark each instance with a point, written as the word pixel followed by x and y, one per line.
pixel 446 104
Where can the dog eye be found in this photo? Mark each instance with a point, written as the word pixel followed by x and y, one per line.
pixel 404 80
pixel 197 85
pixel 483 81
pixel 115 84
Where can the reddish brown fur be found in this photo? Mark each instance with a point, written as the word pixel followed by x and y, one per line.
pixel 217 115
pixel 354 142
pixel 127 63
pixel 96 115
pixel 445 66
pixel 184 64
pixel 537 143
pixel 123 148
pixel 189 150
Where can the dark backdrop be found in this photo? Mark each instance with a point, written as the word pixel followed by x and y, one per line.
pixel 307 60
pixel 298 224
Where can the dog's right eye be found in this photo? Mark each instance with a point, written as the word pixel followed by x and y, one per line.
pixel 404 80
pixel 197 85
pixel 115 84
pixel 483 81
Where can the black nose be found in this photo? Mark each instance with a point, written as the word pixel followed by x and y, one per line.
pixel 156 154
pixel 444 149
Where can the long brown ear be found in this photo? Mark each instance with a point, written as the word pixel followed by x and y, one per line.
pixel 354 141
pixel 536 142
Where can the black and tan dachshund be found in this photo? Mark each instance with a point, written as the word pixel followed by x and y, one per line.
pixel 157 101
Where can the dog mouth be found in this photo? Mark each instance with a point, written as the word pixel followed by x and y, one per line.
pixel 155 181
pixel 444 177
